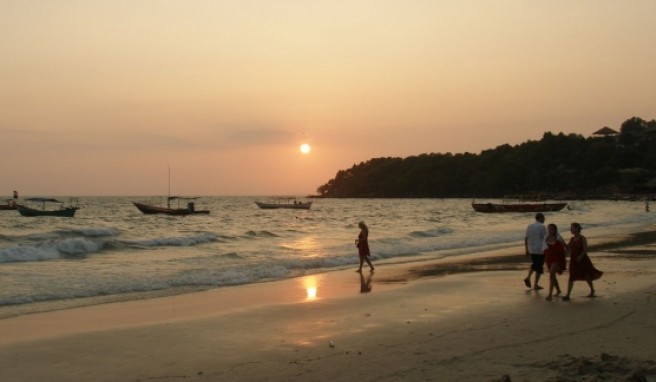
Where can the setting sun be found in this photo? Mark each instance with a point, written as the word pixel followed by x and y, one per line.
pixel 305 148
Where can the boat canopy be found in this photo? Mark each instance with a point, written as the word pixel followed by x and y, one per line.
pixel 183 197
pixel 43 200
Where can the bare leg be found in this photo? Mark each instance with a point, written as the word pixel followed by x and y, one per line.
pixel 527 280
pixel 361 262
pixel 553 281
pixel 537 278
pixel 368 262
pixel 589 281
pixel 570 285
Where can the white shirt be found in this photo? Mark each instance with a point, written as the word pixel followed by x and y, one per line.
pixel 535 234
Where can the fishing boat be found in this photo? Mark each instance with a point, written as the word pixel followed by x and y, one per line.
pixel 186 209
pixel 9 206
pixel 67 211
pixel 289 203
pixel 518 207
pixel 11 203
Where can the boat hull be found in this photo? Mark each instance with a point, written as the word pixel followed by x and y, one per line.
pixel 66 212
pixel 275 206
pixel 518 207
pixel 154 210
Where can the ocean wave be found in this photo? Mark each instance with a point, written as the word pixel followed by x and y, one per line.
pixel 73 247
pixel 178 241
pixel 435 232
pixel 262 233
pixel 97 232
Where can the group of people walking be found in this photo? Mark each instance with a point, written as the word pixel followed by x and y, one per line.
pixel 545 246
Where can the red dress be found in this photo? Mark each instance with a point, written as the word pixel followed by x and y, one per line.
pixel 579 270
pixel 555 254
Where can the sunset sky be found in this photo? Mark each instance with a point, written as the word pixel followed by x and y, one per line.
pixel 101 97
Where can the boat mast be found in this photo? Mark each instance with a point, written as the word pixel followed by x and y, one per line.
pixel 168 198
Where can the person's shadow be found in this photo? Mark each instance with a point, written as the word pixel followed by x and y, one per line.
pixel 365 284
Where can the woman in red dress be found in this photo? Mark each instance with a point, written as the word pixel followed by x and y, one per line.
pixel 362 242
pixel 554 256
pixel 580 265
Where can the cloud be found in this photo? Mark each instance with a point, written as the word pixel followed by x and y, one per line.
pixel 259 137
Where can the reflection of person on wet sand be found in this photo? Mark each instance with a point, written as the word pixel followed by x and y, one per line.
pixel 362 242
pixel 365 284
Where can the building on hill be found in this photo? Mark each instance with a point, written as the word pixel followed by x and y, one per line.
pixel 605 132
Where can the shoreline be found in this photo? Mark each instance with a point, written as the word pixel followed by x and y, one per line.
pixel 455 318
pixel 405 269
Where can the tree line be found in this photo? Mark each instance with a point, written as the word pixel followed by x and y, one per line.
pixel 556 166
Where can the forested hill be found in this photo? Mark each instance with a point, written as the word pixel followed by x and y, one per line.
pixel 558 166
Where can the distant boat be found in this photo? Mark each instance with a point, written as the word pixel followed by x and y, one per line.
pixel 289 203
pixel 189 209
pixel 62 211
pixel 10 206
pixel 518 207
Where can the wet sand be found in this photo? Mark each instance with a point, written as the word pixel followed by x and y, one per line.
pixel 469 318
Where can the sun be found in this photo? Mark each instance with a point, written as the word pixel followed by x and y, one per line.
pixel 305 148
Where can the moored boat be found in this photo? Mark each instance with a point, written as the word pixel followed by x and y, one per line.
pixel 288 203
pixel 188 209
pixel 67 211
pixel 10 206
pixel 518 207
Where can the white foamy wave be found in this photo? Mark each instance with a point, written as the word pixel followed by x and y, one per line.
pixel 77 247
pixel 389 248
pixel 180 241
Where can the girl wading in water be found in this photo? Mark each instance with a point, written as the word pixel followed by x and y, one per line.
pixel 580 265
pixel 363 246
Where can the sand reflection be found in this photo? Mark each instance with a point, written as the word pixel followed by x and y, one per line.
pixel 311 286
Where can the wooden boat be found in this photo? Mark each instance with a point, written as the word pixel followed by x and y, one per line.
pixel 189 209
pixel 62 211
pixel 10 206
pixel 289 203
pixel 518 207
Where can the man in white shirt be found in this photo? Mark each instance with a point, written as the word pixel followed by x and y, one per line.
pixel 534 245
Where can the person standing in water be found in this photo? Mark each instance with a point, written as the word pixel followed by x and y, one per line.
pixel 534 245
pixel 580 265
pixel 362 242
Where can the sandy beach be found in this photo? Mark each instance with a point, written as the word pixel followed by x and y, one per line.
pixel 444 320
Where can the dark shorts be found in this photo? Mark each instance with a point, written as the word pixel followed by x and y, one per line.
pixel 538 263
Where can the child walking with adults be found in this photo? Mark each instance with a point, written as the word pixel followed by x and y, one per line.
pixel 554 257
pixel 580 265
pixel 362 242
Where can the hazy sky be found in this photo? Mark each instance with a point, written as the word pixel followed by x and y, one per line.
pixel 101 97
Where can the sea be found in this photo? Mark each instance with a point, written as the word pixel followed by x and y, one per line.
pixel 110 251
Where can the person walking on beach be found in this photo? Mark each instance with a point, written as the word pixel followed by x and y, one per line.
pixel 580 265
pixel 554 257
pixel 362 242
pixel 534 245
